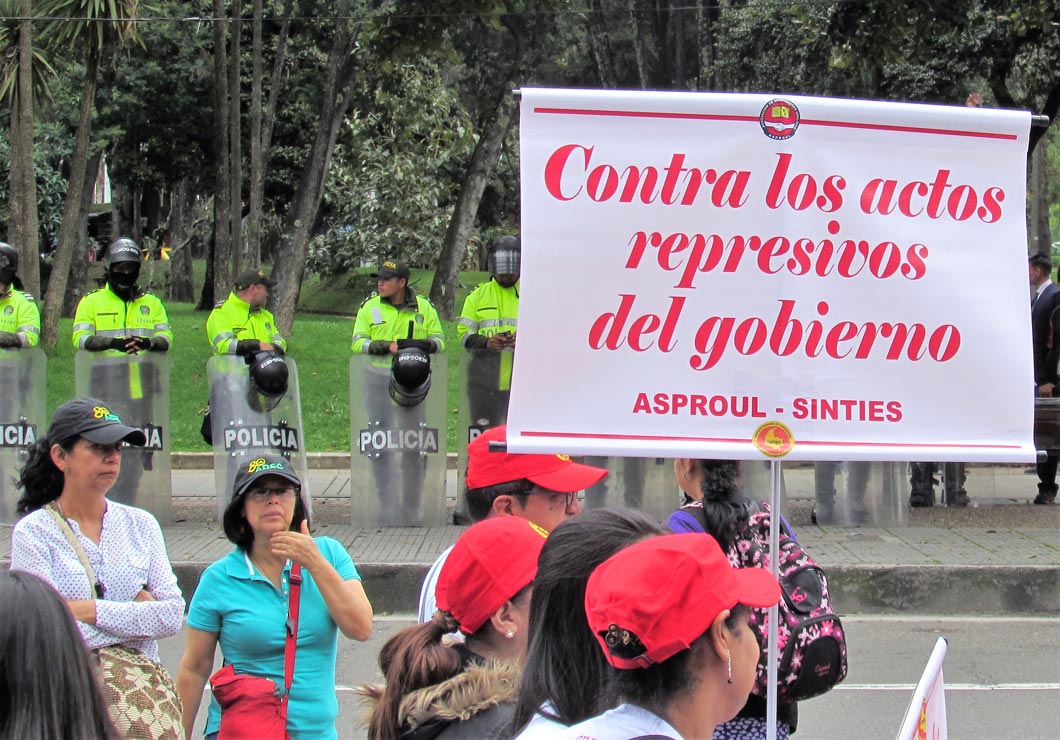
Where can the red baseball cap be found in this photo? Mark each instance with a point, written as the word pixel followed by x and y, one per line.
pixel 490 563
pixel 554 472
pixel 665 592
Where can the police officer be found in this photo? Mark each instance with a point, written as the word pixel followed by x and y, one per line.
pixel 19 316
pixel 487 325
pixel 241 325
pixel 118 318
pixel 121 316
pixel 19 328
pixel 395 317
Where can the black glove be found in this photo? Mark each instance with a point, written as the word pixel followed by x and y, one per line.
pixel 247 347
pixel 159 344
pixel 142 343
pixel 119 343
pixel 96 343
pixel 475 341
pixel 379 347
pixel 9 340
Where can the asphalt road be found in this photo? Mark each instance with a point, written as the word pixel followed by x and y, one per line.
pixel 1002 677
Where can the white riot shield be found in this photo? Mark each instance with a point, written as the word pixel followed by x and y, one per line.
pixel 485 383
pixel 23 417
pixel 136 387
pixel 243 427
pixel 397 460
pixel 860 493
pixel 645 484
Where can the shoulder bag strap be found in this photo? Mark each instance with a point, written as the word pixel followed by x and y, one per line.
pixel 291 643
pixel 64 526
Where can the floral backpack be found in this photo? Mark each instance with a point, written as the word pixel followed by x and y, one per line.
pixel 811 644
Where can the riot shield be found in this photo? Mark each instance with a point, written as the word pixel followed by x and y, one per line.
pixel 137 389
pixel 398 453
pixel 23 417
pixel 244 427
pixel 485 380
pixel 645 484
pixel 856 493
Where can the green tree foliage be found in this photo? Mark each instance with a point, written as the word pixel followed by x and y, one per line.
pixel 394 170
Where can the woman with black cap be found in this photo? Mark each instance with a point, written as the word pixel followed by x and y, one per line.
pixel 107 560
pixel 277 575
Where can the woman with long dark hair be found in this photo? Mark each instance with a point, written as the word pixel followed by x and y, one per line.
pixel 49 687
pixel 718 506
pixel 450 692
pixel 242 603
pixel 565 671
pixel 670 614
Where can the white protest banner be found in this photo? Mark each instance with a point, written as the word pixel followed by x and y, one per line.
pixel 730 275
pixel 925 719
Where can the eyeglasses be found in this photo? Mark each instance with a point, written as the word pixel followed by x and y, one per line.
pixel 569 498
pixel 264 494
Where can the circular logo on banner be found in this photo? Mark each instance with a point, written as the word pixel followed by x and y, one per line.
pixel 773 439
pixel 779 119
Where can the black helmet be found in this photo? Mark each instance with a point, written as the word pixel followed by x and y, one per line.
pixel 123 251
pixel 268 380
pixel 504 256
pixel 9 266
pixel 410 376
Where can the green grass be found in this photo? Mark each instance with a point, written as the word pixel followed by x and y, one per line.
pixel 319 343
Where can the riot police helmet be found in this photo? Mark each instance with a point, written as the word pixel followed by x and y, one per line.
pixel 122 263
pixel 504 259
pixel 410 376
pixel 9 266
pixel 269 376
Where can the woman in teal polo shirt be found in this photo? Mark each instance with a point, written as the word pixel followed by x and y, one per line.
pixel 241 603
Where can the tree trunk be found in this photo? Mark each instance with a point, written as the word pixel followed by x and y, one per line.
pixel 680 80
pixel 24 225
pixel 443 289
pixel 69 237
pixel 253 239
pixel 220 270
pixel 638 46
pixel 290 263
pixel 181 285
pixel 494 126
pixel 600 44
pixel 78 283
pixel 235 139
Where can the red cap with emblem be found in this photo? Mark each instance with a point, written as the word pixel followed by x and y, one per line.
pixel 553 472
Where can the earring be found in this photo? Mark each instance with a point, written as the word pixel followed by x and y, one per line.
pixel 510 634
pixel 728 658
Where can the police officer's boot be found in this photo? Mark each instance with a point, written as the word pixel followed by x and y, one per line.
pixel 922 482
pixel 953 477
pixel 1046 493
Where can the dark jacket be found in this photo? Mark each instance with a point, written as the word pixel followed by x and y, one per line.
pixel 1045 335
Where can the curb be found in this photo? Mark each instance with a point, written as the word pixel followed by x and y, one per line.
pixel 854 589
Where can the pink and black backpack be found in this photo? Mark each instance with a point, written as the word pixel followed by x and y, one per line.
pixel 811 644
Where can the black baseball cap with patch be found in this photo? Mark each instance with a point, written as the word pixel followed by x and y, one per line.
pixel 93 420
pixel 392 269
pixel 253 277
pixel 260 467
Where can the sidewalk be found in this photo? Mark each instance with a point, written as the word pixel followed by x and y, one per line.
pixel 999 555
